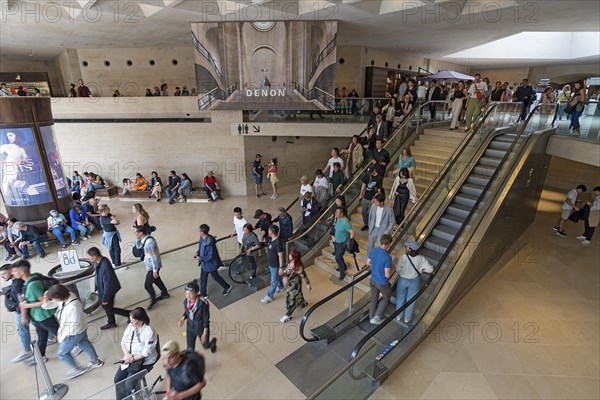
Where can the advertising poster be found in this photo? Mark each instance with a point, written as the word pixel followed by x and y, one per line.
pixel 60 181
pixel 22 175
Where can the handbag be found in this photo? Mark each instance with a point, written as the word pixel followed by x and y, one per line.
pixel 135 366
pixel 423 276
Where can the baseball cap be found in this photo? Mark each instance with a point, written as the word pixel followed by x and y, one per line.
pixel 171 347
pixel 413 246
pixel 258 213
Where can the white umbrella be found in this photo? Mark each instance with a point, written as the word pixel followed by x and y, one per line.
pixel 449 75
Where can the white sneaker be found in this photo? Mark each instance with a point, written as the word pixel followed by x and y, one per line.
pixel 89 236
pixel 84 238
pixel 23 356
pixel 585 242
pixel 580 237
pixel 266 300
pixel 285 319
pixel 75 372
pixel 375 320
pixel 31 360
pixel 278 290
pixel 52 341
pixel 95 364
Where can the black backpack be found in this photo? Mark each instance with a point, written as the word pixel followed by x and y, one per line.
pixel 47 281
pixel 138 252
pixel 191 359
pixel 10 302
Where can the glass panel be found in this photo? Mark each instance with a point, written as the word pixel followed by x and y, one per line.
pixel 356 382
pixel 132 388
pixel 23 180
pixel 60 183
pixel 589 122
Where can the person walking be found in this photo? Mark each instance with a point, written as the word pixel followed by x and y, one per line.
pixel 275 264
pixel 475 101
pixel 410 267
pixel 250 243
pixel 196 316
pixel 238 225
pixel 593 218
pixel 257 172
pixel 372 184
pixel 563 100
pixel 567 207
pixel 381 270
pixel 153 265
pixel 292 280
pixel 457 98
pixel 72 330
pixel 111 236
pixel 11 301
pixel 209 261
pixel 286 225
pixel 342 231
pixel 185 372
pixel 381 220
pixel 107 285
pixel 578 100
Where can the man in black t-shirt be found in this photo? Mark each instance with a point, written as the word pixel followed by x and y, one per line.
pixel 185 378
pixel 371 185
pixel 257 173
pixel 275 262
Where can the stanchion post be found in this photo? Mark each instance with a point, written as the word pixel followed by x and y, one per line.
pixel 53 392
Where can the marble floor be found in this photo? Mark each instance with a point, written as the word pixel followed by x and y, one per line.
pixel 528 330
pixel 542 298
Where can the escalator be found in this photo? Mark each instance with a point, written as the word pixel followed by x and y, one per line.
pixel 490 203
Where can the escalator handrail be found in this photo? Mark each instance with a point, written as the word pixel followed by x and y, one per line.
pixel 242 255
pixel 412 214
pixel 357 175
pixel 392 316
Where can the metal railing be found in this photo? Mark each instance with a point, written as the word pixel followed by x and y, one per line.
pixel 331 46
pixel 206 54
pixel 207 100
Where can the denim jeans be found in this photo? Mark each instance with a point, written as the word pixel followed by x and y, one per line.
pixel 23 331
pixel 60 229
pixel 561 110
pixel 37 244
pixel 81 340
pixel 575 120
pixel 171 194
pixel 405 290
pixel 85 230
pixel 339 256
pixel 75 189
pixel 276 281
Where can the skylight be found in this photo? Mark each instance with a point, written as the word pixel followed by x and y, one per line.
pixel 537 46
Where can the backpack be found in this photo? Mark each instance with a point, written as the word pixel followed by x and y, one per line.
pixel 47 281
pixel 138 252
pixel 10 302
pixel 192 359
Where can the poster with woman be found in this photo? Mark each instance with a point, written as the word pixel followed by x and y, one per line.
pixel 60 183
pixel 21 172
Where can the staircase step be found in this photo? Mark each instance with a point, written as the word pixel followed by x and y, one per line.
pixel 444 232
pixel 330 266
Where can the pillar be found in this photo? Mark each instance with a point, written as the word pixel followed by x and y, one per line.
pixel 32 181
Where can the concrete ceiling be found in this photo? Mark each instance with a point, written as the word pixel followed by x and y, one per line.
pixel 427 28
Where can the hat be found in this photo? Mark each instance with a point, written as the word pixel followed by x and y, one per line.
pixel 258 155
pixel 412 245
pixel 171 347
pixel 258 213
pixel 282 209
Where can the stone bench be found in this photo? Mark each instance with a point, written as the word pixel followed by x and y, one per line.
pixel 198 196
pixel 109 191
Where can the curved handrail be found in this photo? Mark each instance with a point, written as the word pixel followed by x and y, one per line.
pixel 409 217
pixel 413 299
pixel 241 257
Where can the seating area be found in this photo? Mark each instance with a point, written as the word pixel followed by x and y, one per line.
pixel 198 196
pixel 109 191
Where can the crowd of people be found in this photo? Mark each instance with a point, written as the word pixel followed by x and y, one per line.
pixel 162 90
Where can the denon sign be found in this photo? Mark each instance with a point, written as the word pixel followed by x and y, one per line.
pixel 265 93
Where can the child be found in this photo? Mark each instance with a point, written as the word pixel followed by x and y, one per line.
pixel 337 179
pixel 292 280
pixel 195 311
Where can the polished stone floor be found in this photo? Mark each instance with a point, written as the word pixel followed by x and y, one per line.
pixel 539 306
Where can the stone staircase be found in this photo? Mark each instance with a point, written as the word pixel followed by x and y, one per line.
pixel 431 151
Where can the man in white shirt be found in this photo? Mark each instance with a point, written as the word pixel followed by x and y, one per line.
pixel 4 91
pixel 477 92
pixel 335 157
pixel 569 205
pixel 381 220
pixel 238 224
pixel 593 218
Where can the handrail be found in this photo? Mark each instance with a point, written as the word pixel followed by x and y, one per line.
pixel 206 54
pixel 322 55
pixel 409 218
pixel 410 301
pixel 219 94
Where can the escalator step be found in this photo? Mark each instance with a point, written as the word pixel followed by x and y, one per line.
pixel 444 232
pixel 452 220
pixel 495 153
pixel 484 170
pixel 459 210
pixel 470 189
pixel 432 256
pixel 500 145
pixel 437 244
pixel 489 161
pixel 478 180
pixel 465 199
